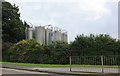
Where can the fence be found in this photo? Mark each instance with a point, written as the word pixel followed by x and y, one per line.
pixel 101 64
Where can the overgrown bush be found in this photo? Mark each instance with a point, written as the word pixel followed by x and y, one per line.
pixel 25 51
pixel 30 51
pixel 59 52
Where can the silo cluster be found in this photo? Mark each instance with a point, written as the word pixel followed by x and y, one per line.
pixel 45 35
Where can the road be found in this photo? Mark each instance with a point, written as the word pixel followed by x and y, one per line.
pixel 97 70
pixel 14 72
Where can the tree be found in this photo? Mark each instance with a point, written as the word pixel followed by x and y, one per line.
pixel 94 45
pixel 59 52
pixel 13 29
pixel 28 51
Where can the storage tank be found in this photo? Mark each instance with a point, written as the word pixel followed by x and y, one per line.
pixel 64 37
pixel 48 36
pixel 29 33
pixel 40 34
pixel 56 36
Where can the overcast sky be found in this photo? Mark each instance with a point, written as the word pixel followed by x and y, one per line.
pixel 75 16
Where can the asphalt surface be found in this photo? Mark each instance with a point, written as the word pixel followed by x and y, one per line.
pixel 67 70
pixel 14 72
pixel 10 69
pixel 87 70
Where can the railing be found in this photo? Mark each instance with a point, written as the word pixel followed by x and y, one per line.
pixel 101 64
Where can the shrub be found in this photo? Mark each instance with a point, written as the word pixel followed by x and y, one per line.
pixel 28 51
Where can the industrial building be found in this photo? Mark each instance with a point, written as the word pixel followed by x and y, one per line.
pixel 46 34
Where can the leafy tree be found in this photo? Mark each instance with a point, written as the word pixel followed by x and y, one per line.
pixel 13 29
pixel 94 45
pixel 59 52
pixel 29 51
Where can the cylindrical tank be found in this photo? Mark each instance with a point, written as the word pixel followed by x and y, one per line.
pixel 40 34
pixel 48 36
pixel 29 33
pixel 64 37
pixel 56 36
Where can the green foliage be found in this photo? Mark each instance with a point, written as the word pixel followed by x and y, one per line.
pixel 94 45
pixel 30 51
pixel 13 29
pixel 59 52
pixel 25 51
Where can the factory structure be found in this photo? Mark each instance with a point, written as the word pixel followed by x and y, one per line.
pixel 46 34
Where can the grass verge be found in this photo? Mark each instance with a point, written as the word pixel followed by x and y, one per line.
pixel 55 65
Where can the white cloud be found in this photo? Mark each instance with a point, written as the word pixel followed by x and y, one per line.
pixel 93 7
pixel 85 16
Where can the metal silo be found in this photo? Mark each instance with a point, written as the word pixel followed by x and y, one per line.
pixel 40 34
pixel 56 36
pixel 64 37
pixel 48 36
pixel 29 33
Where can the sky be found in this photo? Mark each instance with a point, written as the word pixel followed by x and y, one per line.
pixel 75 16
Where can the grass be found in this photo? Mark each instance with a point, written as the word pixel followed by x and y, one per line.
pixel 55 65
